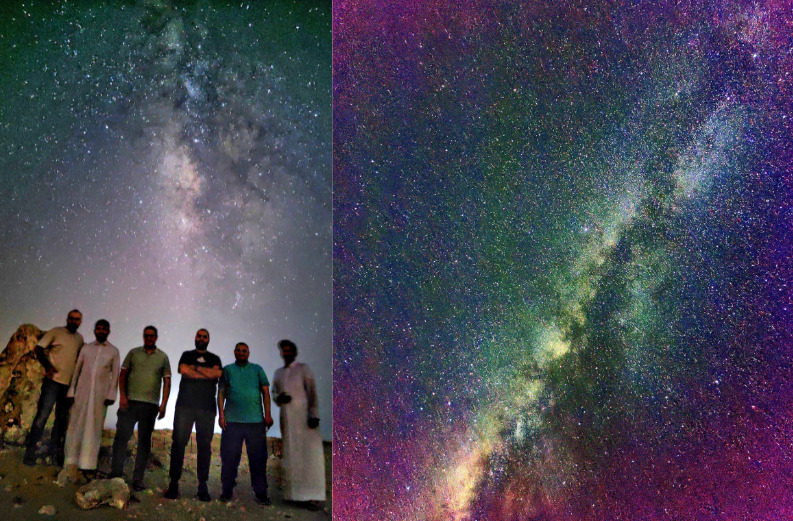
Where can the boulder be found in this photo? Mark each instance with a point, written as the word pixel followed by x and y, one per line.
pixel 69 474
pixel 47 510
pixel 20 384
pixel 113 492
pixel 15 435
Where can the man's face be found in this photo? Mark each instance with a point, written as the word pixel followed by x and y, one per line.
pixel 241 353
pixel 73 321
pixel 149 338
pixel 288 353
pixel 201 339
pixel 101 332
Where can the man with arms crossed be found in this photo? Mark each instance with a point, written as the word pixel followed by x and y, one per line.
pixel 57 351
pixel 144 370
pixel 195 404
pixel 243 387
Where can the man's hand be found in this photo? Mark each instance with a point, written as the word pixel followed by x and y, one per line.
pixel 41 356
pixel 313 423
pixel 222 421
pixel 209 372
pixel 108 403
pixel 283 399
pixel 123 403
pixel 268 421
pixel 162 412
pixel 197 372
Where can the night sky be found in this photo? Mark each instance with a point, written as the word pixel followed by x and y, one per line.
pixel 562 260
pixel 169 163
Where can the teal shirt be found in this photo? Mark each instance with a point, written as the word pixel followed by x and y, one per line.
pixel 241 385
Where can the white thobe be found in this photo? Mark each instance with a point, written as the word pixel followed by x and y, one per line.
pixel 304 458
pixel 95 380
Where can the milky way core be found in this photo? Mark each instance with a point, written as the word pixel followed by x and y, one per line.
pixel 563 260
pixel 169 163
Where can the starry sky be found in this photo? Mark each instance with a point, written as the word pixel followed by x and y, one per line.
pixel 562 260
pixel 169 163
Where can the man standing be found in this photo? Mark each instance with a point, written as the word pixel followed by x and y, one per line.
pixel 93 389
pixel 144 370
pixel 243 387
pixel 195 404
pixel 57 351
pixel 295 393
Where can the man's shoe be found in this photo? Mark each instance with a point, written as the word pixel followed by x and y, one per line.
pixel 203 492
pixel 224 498
pixel 172 492
pixel 29 460
pixel 138 485
pixel 263 500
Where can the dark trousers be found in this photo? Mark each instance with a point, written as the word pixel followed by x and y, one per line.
pixel 52 394
pixel 255 437
pixel 144 414
pixel 183 421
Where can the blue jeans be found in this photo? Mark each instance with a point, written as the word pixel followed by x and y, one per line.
pixel 52 395
pixel 183 420
pixel 255 437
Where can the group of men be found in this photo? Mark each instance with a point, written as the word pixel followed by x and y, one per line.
pixel 81 381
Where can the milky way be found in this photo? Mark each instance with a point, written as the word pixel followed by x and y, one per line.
pixel 563 283
pixel 170 163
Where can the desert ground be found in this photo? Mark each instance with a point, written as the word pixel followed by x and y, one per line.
pixel 24 490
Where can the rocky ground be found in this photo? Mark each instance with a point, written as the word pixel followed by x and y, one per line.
pixel 32 492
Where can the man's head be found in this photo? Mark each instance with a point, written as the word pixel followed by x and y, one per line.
pixel 101 330
pixel 149 337
pixel 241 352
pixel 201 339
pixel 288 351
pixel 73 320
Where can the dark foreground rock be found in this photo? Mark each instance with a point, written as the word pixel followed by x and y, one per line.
pixel 113 492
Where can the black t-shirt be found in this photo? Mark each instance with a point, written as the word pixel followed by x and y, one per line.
pixel 198 393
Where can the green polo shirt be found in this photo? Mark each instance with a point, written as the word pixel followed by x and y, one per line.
pixel 241 385
pixel 145 373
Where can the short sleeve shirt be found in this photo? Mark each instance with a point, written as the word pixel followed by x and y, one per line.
pixel 145 373
pixel 242 388
pixel 198 393
pixel 62 349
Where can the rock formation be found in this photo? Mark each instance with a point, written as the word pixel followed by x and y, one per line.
pixel 20 384
pixel 113 492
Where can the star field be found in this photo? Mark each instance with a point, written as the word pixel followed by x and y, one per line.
pixel 169 163
pixel 562 271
